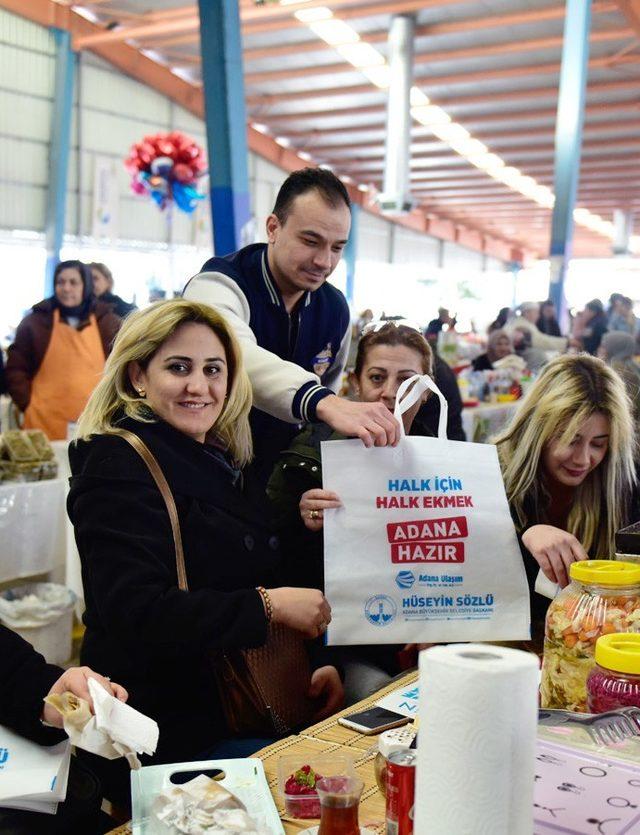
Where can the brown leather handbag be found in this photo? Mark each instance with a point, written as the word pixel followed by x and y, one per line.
pixel 263 691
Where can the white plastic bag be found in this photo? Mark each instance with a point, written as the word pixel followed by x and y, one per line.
pixel 423 548
pixel 32 777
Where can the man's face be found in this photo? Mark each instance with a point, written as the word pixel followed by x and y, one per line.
pixel 306 248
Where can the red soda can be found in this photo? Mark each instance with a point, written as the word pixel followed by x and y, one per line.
pixel 401 788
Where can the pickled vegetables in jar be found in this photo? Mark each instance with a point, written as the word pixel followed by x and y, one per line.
pixel 602 598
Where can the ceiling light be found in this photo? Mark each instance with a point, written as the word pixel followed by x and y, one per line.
pixel 361 54
pixel 469 147
pixel 335 32
pixel 305 156
pixel 452 132
pixel 380 76
pixel 488 162
pixel 362 187
pixel 417 98
pixel 430 114
pixel 259 127
pixel 282 140
pixel 311 15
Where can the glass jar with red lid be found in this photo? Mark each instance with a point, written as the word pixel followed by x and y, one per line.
pixel 615 680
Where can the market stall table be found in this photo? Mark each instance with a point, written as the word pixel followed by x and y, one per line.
pixel 482 422
pixel 325 738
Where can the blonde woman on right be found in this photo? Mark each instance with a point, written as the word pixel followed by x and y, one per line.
pixel 567 460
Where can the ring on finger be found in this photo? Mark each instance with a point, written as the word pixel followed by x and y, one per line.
pixel 314 514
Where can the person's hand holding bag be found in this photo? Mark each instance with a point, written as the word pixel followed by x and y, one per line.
pixel 313 503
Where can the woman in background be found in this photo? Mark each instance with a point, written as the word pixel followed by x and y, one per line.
pixel 567 460
pixel 499 346
pixel 103 289
pixel 617 350
pixel 59 352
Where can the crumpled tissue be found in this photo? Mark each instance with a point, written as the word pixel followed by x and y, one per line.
pixel 204 806
pixel 115 730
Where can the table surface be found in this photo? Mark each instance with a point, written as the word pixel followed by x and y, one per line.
pixel 325 738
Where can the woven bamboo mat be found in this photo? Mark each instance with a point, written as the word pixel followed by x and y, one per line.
pixel 324 738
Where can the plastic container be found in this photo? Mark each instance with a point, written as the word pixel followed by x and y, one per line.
pixel 305 803
pixel 602 598
pixel 42 613
pixel 395 739
pixel 615 680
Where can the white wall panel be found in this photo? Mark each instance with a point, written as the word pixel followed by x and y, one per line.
pixel 23 116
pixel 22 206
pixel 413 247
pixel 373 238
pixel 25 72
pixel 104 89
pixel 23 162
pixel 460 258
pixel 25 34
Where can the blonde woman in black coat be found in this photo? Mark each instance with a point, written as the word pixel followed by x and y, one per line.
pixel 175 379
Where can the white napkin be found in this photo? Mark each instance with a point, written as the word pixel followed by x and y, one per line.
pixel 116 730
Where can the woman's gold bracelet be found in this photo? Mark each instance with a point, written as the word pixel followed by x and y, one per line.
pixel 266 602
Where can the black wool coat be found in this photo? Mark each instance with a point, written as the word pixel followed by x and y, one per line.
pixel 25 679
pixel 141 630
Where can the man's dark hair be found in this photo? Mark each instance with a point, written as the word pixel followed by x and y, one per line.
pixel 300 182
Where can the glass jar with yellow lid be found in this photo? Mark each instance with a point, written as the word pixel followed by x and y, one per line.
pixel 602 598
pixel 615 680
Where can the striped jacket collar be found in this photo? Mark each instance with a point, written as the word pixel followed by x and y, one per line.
pixel 272 290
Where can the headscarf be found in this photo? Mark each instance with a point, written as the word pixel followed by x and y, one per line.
pixel 494 337
pixel 619 346
pixel 82 310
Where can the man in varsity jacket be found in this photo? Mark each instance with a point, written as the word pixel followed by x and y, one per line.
pixel 293 326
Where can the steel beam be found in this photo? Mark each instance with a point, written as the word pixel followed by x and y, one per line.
pixel 225 120
pixel 350 253
pixel 568 142
pixel 59 148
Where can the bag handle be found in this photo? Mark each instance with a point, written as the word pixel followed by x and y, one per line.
pixel 423 382
pixel 158 476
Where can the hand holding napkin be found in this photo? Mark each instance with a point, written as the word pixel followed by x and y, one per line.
pixel 115 729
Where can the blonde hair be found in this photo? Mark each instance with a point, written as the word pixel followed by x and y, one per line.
pixel 140 337
pixel 569 390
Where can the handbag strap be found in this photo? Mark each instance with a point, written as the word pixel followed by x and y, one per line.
pixel 158 476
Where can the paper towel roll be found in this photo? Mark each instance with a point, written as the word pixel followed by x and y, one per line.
pixel 476 744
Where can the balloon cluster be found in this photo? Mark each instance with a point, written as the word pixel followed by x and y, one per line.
pixel 166 166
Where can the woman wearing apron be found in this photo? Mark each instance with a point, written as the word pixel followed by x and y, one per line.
pixel 59 352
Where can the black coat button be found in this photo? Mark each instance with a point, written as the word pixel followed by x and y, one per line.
pixel 249 542
pixel 274 543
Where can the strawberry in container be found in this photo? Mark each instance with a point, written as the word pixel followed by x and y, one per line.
pixel 298 777
pixel 603 598
pixel 300 795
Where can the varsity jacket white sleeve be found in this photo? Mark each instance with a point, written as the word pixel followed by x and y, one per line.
pixel 275 381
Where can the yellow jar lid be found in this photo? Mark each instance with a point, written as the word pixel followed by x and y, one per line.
pixel 619 652
pixel 605 572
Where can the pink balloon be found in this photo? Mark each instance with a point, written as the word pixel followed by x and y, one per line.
pixel 183 173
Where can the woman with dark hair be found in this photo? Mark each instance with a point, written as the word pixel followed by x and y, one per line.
pixel 388 354
pixel 59 352
pixel 504 315
pixel 103 289
pixel 594 326
pixel 547 322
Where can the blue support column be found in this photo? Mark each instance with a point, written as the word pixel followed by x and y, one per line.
pixel 226 122
pixel 350 253
pixel 568 142
pixel 60 145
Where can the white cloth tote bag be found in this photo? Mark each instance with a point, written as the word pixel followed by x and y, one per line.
pixel 423 548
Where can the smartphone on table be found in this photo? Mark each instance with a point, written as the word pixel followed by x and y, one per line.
pixel 374 720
